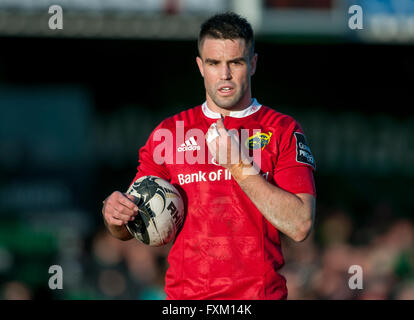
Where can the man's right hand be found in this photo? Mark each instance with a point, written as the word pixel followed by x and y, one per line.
pixel 118 209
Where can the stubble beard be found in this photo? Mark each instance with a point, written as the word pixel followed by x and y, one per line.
pixel 227 103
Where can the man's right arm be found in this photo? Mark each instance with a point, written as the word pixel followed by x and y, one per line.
pixel 118 209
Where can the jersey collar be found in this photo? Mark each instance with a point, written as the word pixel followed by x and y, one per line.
pixel 254 107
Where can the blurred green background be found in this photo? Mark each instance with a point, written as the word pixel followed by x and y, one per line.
pixel 77 104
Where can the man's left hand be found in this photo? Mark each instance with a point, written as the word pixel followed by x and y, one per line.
pixel 225 147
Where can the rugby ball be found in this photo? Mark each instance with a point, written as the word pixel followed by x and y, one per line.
pixel 160 211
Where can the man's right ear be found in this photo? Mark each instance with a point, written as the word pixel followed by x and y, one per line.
pixel 200 66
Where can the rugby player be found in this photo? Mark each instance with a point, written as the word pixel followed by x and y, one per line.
pixel 237 203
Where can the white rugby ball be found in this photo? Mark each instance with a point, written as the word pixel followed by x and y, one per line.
pixel 161 211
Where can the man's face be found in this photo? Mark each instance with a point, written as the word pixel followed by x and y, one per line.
pixel 227 67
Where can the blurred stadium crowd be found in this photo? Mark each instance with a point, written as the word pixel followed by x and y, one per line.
pixel 319 267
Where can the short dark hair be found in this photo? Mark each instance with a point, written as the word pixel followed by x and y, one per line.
pixel 227 25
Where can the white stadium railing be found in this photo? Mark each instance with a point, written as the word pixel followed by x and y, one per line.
pixel 383 21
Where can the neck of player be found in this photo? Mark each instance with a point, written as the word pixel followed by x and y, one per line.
pixel 244 103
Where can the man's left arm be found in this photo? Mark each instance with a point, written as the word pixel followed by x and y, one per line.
pixel 292 214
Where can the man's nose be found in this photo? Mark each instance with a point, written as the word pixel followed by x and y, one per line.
pixel 225 72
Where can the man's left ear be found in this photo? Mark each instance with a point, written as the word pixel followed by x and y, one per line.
pixel 253 63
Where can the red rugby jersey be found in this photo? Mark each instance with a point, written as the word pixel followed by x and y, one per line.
pixel 226 249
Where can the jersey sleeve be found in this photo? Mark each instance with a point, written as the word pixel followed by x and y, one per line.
pixel 295 163
pixel 149 162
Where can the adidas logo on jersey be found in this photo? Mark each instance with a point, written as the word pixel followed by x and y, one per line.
pixel 189 145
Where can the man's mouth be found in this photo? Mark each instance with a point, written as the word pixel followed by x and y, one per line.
pixel 226 90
